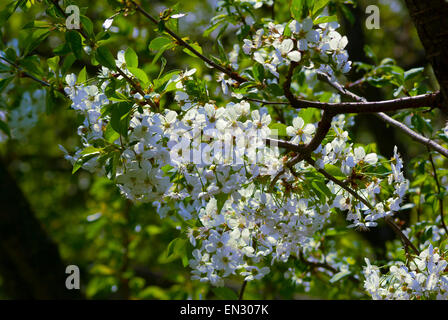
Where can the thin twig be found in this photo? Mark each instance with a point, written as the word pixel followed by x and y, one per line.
pixel 436 178
pixel 315 265
pixel 129 80
pixel 232 74
pixel 414 135
pixel 25 74
pixel 388 220
pixel 243 288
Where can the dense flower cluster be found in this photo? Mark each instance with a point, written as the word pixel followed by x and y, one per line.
pixel 211 164
pixel 426 277
pixel 321 48
pixel 208 163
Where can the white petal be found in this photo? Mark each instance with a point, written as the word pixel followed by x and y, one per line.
pixel 295 56
pixel 291 131
pixel 298 123
pixel 343 43
pixel 294 26
pixel 309 129
pixel 286 46
pixel 371 158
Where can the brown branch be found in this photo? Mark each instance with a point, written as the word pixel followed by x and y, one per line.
pixel 414 135
pixel 25 74
pixel 389 221
pixel 307 158
pixel 303 150
pixel 138 88
pixel 232 74
pixel 430 99
pixel 411 133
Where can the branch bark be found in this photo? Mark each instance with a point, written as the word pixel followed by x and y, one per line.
pixel 430 19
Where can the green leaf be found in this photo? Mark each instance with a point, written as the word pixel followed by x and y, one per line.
pixel 296 9
pixel 74 41
pixel 334 171
pixel 158 43
pixel 33 41
pixel 325 19
pixel 11 54
pixel 53 63
pixel 221 200
pixel 162 50
pixel 308 114
pixel 174 250
pixel 258 71
pixel 89 150
pixel 4 68
pixel 413 73
pixel 110 134
pixel 196 47
pixel 32 64
pixel 131 58
pixel 120 117
pixel 139 74
pixel 68 62
pixel 82 76
pixel 104 57
pixel 160 84
pixel 210 29
pixel 83 159
pixel 225 293
pixel 163 60
pixel 278 129
pixel 338 276
pixel 322 187
pixel 87 25
pixel 319 5
pixel 4 83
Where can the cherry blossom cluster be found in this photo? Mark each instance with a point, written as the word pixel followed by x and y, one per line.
pixel 210 165
pixel 354 163
pixel 321 48
pixel 426 277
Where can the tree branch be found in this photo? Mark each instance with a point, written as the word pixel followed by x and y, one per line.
pixel 411 133
pixel 129 80
pixel 307 158
pixel 232 74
